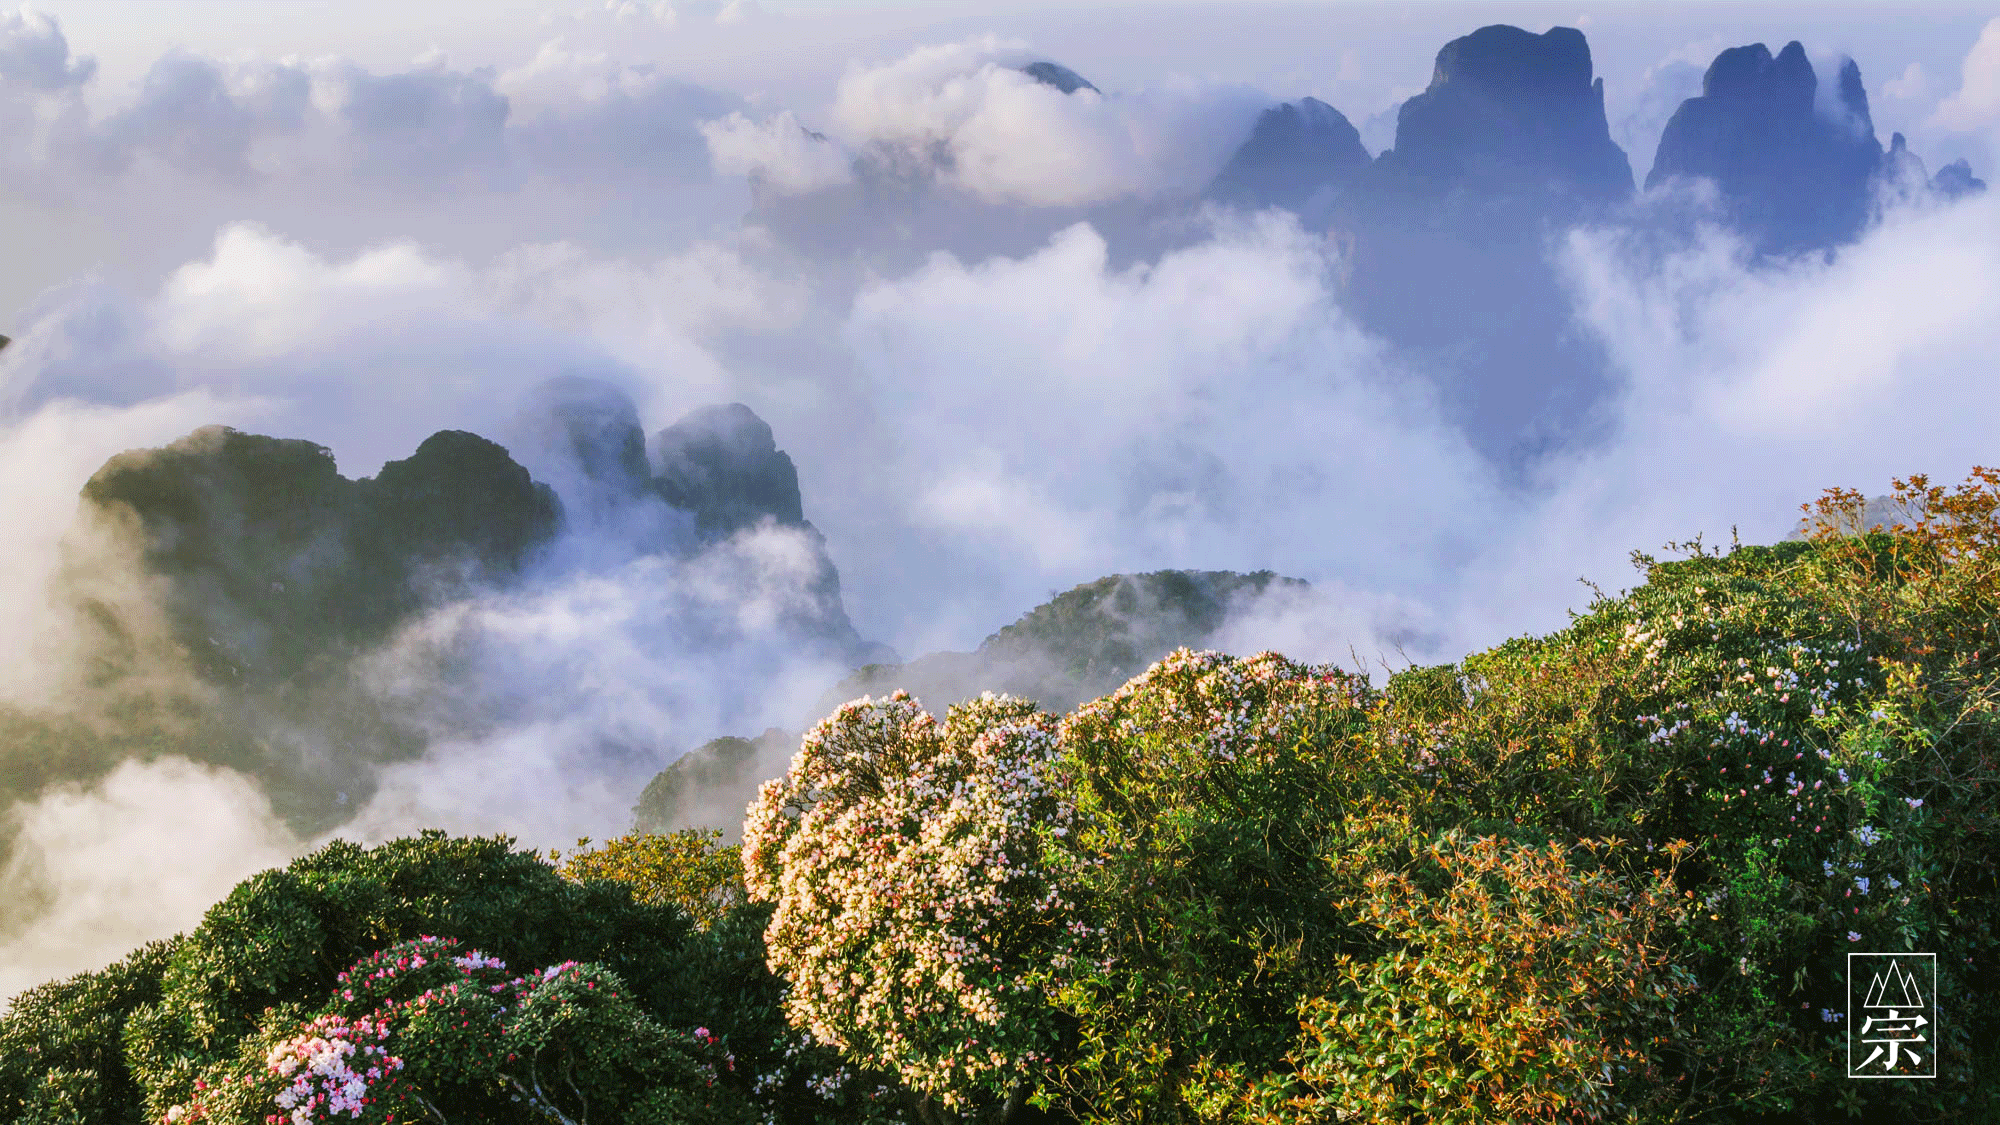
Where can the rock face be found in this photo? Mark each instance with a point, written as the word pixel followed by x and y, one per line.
pixel 1792 175
pixel 723 464
pixel 272 559
pixel 1511 111
pixel 1298 150
pixel 1447 235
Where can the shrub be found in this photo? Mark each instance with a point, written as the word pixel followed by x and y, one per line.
pixel 903 859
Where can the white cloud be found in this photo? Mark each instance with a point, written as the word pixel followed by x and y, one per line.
pixel 97 870
pixel 1008 138
pixel 551 707
pixel 1975 106
pixel 777 153
pixel 1913 85
pixel 1053 419
pixel 34 54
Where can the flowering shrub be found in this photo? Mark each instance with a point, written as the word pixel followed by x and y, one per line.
pixel 691 869
pixel 904 859
pixel 449 1035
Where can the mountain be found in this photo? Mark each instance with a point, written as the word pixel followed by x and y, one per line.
pixel 1447 235
pixel 715 473
pixel 269 560
pixel 1794 174
pixel 709 786
pixel 1299 153
pixel 1508 112
pixel 236 600
pixel 1059 76
pixel 1077 646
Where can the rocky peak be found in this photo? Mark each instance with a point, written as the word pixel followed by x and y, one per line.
pixel 1784 84
pixel 590 427
pixel 1511 110
pixel 723 464
pixel 1792 176
pixel 1059 76
pixel 1296 150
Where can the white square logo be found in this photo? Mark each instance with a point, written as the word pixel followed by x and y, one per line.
pixel 1892 1015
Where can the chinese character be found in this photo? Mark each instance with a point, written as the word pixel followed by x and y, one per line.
pixel 1892 1030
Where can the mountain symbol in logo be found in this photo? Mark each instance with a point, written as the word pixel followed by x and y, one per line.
pixel 1893 989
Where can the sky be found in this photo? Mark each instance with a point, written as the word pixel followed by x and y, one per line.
pixel 359 223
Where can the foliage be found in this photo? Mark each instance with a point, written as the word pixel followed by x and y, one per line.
pixel 1206 792
pixel 1524 984
pixel 192 1022
pixel 691 869
pixel 427 1029
pixel 1613 872
pixel 61 1044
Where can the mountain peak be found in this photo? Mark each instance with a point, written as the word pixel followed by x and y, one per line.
pixel 1059 76
pixel 1510 109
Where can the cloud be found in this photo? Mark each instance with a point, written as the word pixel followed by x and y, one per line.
pixel 686 13
pixel 96 870
pixel 549 708
pixel 202 119
pixel 1051 419
pixel 972 430
pixel 1642 115
pixel 1975 106
pixel 965 112
pixel 777 153
pixel 1750 390
pixel 582 115
pixel 34 55
pixel 1913 85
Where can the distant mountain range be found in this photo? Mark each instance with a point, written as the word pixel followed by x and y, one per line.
pixel 1445 238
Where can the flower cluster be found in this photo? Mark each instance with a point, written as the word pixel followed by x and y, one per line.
pixel 330 1068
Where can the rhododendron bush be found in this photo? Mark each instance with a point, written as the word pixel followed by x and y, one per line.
pixel 904 856
pixel 430 977
pixel 449 1034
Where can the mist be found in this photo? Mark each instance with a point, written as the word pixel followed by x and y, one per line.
pixel 1002 335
